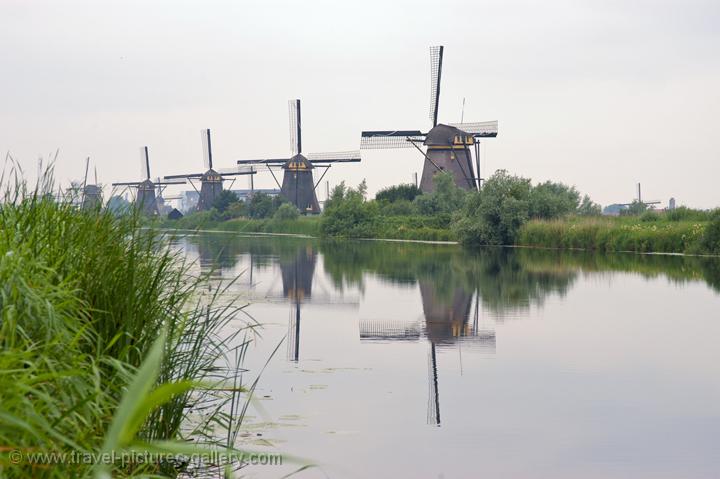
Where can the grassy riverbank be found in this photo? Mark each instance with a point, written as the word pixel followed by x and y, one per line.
pixel 508 210
pixel 84 297
pixel 307 225
pixel 621 234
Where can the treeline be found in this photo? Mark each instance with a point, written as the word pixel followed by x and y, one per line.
pixel 510 210
pixel 492 216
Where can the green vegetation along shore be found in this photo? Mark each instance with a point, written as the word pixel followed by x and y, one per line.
pixel 107 343
pixel 508 210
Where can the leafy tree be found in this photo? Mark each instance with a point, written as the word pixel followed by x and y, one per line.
pixel 588 207
pixel 236 210
pixel 553 200
pixel 636 208
pixel 407 192
pixel 446 198
pixel 348 214
pixel 495 214
pixel 224 200
pixel 286 211
pixel 397 208
pixel 261 206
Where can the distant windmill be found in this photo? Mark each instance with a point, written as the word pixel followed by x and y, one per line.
pixel 145 198
pixel 211 182
pixel 91 194
pixel 298 185
pixel 448 145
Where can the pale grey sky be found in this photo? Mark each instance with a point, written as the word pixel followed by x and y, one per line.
pixel 598 94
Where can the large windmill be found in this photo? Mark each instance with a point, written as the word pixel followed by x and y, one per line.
pixel 448 145
pixel 145 199
pixel 211 182
pixel 298 185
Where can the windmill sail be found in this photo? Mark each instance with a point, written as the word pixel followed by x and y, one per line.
pixel 87 167
pixel 482 129
pixel 295 127
pixel 144 163
pixel 370 140
pixel 207 148
pixel 436 58
pixel 335 157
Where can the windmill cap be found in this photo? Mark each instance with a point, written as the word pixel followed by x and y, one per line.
pixel 298 162
pixel 443 135
pixel 211 175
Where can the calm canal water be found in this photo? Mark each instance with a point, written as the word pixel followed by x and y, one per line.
pixel 427 361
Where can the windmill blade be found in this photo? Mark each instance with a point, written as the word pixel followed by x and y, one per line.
pixel 207 148
pixel 480 129
pixel 436 58
pixel 295 127
pixel 126 183
pixel 172 182
pixel 188 175
pixel 271 161
pixel 96 182
pixel 389 139
pixel 144 163
pixel 87 166
pixel 238 171
pixel 335 157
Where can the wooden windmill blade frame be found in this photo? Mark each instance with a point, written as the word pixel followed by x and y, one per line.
pixel 389 139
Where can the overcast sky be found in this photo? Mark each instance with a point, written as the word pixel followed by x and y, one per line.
pixel 597 94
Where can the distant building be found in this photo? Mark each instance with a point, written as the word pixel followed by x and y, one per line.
pixel 671 204
pixel 613 210
pixel 244 195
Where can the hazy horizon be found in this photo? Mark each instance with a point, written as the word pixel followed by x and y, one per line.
pixel 599 95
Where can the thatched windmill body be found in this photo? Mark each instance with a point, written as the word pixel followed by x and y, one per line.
pixel 449 147
pixel 298 184
pixel 211 181
pixel 145 198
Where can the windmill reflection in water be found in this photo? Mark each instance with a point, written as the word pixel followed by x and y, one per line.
pixel 447 323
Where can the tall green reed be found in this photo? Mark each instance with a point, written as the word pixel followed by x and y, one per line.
pixel 84 296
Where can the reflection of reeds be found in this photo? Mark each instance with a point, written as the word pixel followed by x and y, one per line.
pixel 84 295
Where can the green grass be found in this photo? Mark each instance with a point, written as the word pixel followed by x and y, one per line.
pixel 84 297
pixel 307 225
pixel 615 234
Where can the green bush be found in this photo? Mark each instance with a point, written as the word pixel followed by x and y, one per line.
pixel 710 242
pixel 286 211
pixel 347 214
pixel 404 192
pixel 224 200
pixel 494 215
pixel 263 205
pixel 445 199
pixel 553 200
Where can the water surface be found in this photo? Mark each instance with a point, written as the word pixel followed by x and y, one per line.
pixel 427 361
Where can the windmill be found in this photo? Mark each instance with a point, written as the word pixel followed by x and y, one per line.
pixel 448 145
pixel 211 182
pixel 298 185
pixel 145 199
pixel 91 194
